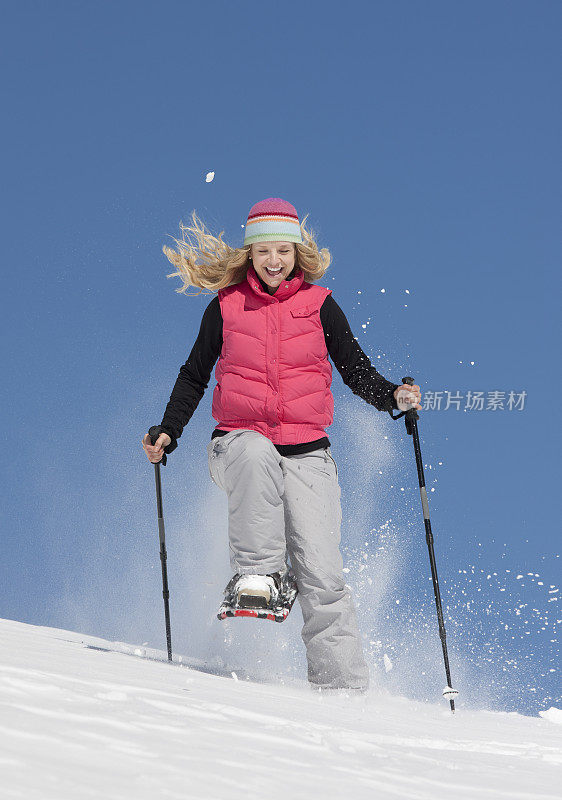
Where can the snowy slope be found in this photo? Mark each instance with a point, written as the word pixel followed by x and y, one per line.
pixel 85 718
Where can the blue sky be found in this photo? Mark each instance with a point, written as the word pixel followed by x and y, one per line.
pixel 423 142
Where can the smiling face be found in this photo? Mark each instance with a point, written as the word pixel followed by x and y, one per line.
pixel 273 262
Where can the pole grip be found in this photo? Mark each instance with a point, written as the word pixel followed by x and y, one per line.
pixel 154 433
pixel 411 414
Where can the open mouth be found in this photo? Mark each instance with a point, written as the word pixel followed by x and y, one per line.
pixel 273 272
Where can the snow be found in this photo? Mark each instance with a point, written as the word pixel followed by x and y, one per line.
pixel 82 717
pixel 552 714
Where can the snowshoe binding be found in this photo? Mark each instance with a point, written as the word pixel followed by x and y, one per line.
pixel 261 596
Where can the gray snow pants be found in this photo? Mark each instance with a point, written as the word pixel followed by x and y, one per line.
pixel 288 507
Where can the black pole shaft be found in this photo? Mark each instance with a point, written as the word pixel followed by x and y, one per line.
pixel 153 433
pixel 411 418
pixel 432 562
pixel 163 559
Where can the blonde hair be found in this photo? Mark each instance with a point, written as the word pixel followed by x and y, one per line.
pixel 205 261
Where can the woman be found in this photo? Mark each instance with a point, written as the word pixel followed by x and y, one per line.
pixel 271 329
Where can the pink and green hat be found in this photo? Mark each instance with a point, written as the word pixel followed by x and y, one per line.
pixel 272 220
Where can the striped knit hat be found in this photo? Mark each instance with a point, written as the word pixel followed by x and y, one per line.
pixel 272 220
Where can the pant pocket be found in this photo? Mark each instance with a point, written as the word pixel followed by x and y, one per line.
pixel 215 455
pixel 332 459
pixel 216 452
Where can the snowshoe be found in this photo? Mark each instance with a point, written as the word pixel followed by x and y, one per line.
pixel 261 596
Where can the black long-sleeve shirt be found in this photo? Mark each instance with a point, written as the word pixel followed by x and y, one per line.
pixel 351 362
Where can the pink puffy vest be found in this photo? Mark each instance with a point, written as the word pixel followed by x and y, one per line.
pixel 273 374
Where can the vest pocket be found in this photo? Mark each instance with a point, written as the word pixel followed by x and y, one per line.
pixel 306 311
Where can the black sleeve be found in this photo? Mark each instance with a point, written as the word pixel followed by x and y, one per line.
pixel 353 365
pixel 194 375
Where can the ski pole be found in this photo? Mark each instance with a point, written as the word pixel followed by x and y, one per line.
pixel 411 417
pixel 154 433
